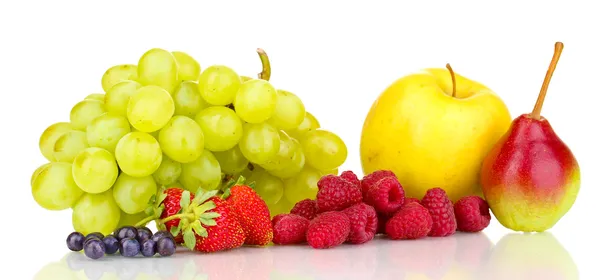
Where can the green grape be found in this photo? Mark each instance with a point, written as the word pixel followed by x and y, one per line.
pixel 182 139
pixel 218 84
pixel 245 78
pixel 188 101
pixel 132 194
pixel 289 111
pixel 158 67
pixel 222 128
pixel 232 161
pixel 84 112
pixel 130 219
pixel 302 186
pixel 189 68
pixel 323 149
pixel 255 101
pixel 37 172
pixel 49 137
pixel 204 172
pixel 150 108
pixel 329 172
pixel 138 154
pixel 106 130
pixel 289 168
pixel 95 170
pixel 118 73
pixel 269 187
pixel 308 124
pixel 117 98
pixel 168 172
pixel 54 188
pixel 287 148
pixel 96 213
pixel 282 206
pixel 95 96
pixel 260 142
pixel 68 145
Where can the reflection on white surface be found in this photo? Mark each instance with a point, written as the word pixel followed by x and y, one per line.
pixel 461 257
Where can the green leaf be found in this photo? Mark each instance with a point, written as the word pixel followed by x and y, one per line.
pixel 152 200
pixel 205 196
pixel 226 193
pixel 149 210
pixel 199 192
pixel 161 197
pixel 252 185
pixel 210 215
pixel 198 229
pixel 204 207
pixel 207 222
pixel 185 200
pixel 189 238
pixel 175 230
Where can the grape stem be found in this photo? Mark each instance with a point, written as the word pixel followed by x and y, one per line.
pixel 266 65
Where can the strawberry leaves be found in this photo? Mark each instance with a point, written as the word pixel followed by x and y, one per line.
pixel 185 200
pixel 189 239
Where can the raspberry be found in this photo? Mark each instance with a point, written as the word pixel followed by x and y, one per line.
pixel 442 212
pixel 363 223
pixel 328 229
pixel 381 221
pixel 472 214
pixel 387 196
pixel 306 208
pixel 411 222
pixel 350 177
pixel 289 229
pixel 408 200
pixel 336 194
pixel 372 179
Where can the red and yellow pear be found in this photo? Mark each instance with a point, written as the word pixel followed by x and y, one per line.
pixel 531 178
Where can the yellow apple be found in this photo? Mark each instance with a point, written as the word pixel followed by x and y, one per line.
pixel 433 129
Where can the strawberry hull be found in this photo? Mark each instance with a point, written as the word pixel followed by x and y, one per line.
pixel 530 179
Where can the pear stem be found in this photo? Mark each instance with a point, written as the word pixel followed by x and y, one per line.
pixel 453 79
pixel 266 65
pixel 537 109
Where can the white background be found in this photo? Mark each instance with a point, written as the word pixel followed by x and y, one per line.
pixel 337 56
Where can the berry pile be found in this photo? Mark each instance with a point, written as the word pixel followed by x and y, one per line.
pixel 349 210
pixel 128 241
pixel 164 122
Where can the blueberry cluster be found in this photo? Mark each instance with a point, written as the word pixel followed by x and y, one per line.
pixel 128 240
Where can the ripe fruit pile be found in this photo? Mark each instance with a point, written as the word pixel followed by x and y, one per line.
pixel 129 241
pixel 164 122
pixel 349 210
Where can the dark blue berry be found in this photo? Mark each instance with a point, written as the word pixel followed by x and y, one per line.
pixel 160 234
pixel 95 234
pixel 143 234
pixel 127 232
pixel 149 248
pixel 90 239
pixel 111 243
pixel 75 241
pixel 94 248
pixel 165 246
pixel 130 247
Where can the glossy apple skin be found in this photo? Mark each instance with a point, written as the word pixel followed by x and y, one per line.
pixel 530 178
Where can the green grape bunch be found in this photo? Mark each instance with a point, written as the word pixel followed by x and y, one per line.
pixel 166 122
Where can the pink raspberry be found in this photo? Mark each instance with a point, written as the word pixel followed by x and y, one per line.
pixel 306 208
pixel 336 194
pixel 411 222
pixel 289 229
pixel 372 179
pixel 363 223
pixel 442 212
pixel 387 196
pixel 351 177
pixel 328 229
pixel 472 214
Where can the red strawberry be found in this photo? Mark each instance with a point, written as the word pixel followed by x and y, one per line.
pixel 226 233
pixel 172 206
pixel 253 214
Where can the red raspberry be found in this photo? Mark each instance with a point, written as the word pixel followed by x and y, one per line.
pixel 328 229
pixel 472 214
pixel 411 222
pixel 306 208
pixel 387 196
pixel 336 194
pixel 442 212
pixel 372 179
pixel 351 177
pixel 289 229
pixel 363 223
pixel 408 200
pixel 381 222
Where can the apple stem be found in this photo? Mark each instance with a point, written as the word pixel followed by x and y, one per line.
pixel 453 79
pixel 537 109
pixel 266 65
